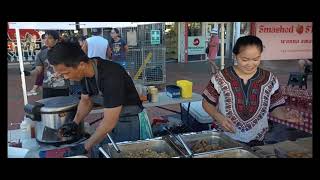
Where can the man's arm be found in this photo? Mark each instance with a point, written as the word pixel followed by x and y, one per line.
pixel 84 107
pixel 126 48
pixel 39 64
pixel 109 52
pixel 110 119
pixel 36 71
pixel 85 47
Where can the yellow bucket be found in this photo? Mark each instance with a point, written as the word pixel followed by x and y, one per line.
pixel 186 88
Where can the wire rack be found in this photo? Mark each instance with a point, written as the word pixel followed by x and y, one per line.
pixel 150 62
pixel 146 61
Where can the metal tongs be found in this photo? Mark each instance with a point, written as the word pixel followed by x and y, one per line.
pixel 179 139
pixel 104 152
pixel 113 144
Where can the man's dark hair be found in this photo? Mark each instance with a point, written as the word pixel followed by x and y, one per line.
pixel 43 36
pixel 96 31
pixel 246 41
pixel 53 33
pixel 67 53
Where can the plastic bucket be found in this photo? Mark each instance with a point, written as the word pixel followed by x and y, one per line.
pixel 186 88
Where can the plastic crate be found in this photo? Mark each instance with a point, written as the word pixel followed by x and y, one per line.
pixel 197 119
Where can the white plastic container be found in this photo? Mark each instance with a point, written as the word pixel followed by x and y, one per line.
pixel 25 127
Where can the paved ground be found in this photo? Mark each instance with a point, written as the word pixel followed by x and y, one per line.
pixel 197 72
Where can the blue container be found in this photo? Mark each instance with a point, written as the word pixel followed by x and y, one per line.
pixel 173 91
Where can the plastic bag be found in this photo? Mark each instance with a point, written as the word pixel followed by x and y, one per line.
pixel 145 127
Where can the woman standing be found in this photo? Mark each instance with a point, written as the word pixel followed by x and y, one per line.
pixel 213 50
pixel 118 48
pixel 240 97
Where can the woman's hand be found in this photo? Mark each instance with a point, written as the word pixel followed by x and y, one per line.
pixel 226 124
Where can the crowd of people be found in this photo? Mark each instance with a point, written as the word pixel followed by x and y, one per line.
pixel 94 46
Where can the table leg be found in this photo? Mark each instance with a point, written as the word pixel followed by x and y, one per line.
pixel 188 111
pixel 169 109
pixel 187 120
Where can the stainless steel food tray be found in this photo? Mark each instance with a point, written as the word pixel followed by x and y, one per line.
pixel 230 153
pixel 157 144
pixel 212 137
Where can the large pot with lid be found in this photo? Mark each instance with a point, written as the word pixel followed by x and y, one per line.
pixel 50 114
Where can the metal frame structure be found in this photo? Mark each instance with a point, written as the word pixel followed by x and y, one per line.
pixel 154 72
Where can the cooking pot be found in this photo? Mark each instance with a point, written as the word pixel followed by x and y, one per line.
pixel 50 114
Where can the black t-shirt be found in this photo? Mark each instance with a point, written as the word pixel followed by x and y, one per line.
pixel 115 84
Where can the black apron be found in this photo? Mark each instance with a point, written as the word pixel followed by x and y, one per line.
pixel 128 126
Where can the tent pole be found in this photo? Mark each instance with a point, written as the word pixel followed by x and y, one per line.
pixel 23 81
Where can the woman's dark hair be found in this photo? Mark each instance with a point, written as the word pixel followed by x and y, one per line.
pixel 117 31
pixel 246 41
pixel 67 53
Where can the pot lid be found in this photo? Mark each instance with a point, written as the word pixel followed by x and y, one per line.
pixel 60 103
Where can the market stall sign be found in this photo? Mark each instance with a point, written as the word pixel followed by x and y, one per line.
pixel 23 34
pixel 285 40
pixel 196 45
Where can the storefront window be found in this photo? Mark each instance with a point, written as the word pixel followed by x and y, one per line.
pixel 194 29
pixel 244 28
pixel 196 42
pixel 171 40
pixel 209 28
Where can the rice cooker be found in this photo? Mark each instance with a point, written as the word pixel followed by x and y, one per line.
pixel 50 114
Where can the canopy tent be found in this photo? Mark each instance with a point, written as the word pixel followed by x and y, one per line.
pixel 59 26
pixel 43 25
pixel 112 24
pixel 40 26
pixel 106 24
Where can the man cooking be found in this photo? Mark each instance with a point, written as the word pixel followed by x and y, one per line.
pixel 103 82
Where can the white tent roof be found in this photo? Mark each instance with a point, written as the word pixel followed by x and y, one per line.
pixel 43 25
pixel 72 25
pixel 112 24
pixel 106 24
